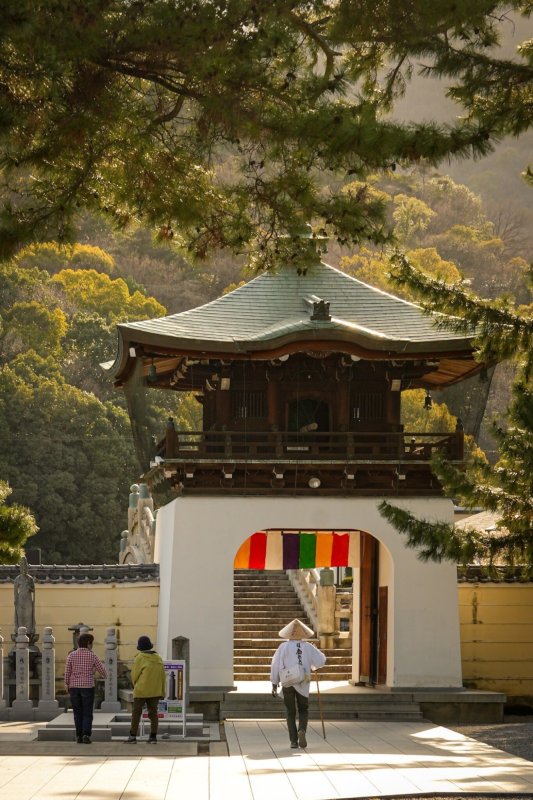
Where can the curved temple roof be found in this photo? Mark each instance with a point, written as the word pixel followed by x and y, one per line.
pixel 276 311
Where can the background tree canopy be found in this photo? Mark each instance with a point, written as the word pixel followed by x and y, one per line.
pixel 16 526
pixel 66 442
pixel 224 122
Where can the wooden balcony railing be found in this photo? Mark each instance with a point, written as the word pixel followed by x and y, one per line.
pixel 289 447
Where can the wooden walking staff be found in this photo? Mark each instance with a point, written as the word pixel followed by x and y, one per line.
pixel 320 705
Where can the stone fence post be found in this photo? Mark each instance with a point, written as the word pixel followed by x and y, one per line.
pixel 48 702
pixel 22 706
pixel 111 702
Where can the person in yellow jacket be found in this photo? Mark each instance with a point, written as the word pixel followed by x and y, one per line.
pixel 149 686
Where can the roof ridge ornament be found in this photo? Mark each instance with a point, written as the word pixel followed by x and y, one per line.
pixel 321 312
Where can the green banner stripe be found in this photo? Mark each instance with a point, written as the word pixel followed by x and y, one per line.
pixel 307 550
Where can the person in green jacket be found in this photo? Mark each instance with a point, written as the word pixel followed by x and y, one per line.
pixel 149 686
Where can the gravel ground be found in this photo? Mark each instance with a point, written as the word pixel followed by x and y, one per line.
pixel 514 735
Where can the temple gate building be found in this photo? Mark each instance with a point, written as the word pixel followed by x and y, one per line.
pixel 299 375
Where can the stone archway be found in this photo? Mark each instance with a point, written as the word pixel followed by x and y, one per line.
pixel 196 543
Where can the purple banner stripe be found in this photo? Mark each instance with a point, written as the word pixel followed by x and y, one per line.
pixel 291 550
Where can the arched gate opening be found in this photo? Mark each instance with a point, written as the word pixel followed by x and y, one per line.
pixel 350 617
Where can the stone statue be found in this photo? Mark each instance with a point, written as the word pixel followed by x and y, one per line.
pixel 24 590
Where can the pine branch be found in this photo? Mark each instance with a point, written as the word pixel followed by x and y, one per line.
pixel 435 541
pixel 500 331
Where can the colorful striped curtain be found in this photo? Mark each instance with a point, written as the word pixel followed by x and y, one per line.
pixel 298 550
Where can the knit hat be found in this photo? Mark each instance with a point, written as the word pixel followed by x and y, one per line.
pixel 144 643
pixel 296 630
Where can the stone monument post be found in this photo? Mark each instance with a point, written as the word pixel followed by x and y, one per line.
pixel 3 703
pixel 326 608
pixel 48 703
pixel 111 702
pixel 22 707
pixel 77 630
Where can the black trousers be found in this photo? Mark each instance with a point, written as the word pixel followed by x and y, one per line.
pixel 138 705
pixel 295 702
pixel 82 705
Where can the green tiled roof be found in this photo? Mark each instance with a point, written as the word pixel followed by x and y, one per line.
pixel 277 307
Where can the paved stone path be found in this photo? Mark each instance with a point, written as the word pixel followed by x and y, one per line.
pixel 357 759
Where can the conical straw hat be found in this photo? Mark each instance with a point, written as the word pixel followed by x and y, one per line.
pixel 296 630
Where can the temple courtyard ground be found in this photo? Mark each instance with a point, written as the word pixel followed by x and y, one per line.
pixel 357 759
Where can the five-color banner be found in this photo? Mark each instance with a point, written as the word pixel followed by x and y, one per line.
pixel 298 550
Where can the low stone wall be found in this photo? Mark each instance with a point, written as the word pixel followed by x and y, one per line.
pixel 125 598
pixel 496 624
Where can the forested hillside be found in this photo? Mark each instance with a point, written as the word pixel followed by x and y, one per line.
pixel 150 152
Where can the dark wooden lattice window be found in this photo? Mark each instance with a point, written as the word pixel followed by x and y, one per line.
pixel 368 405
pixel 247 405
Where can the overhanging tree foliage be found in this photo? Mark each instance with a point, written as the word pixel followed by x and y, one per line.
pixel 218 121
pixel 507 487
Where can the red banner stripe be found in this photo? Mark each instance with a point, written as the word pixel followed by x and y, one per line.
pixel 339 552
pixel 258 546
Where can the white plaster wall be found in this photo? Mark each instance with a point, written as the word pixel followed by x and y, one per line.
pixel 196 542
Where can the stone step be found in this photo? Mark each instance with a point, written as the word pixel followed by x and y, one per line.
pixel 268 616
pixel 194 725
pixel 271 617
pixel 259 572
pixel 260 586
pixel 273 604
pixel 246 674
pixel 265 678
pixel 268 589
pixel 252 705
pixel 263 644
pixel 259 655
pixel 264 669
pixel 260 600
pixel 265 621
pixel 258 629
pixel 258 664
pixel 332 656
pixel 259 620
pixel 268 583
pixel 281 580
pixel 271 587
pixel 268 607
pixel 68 734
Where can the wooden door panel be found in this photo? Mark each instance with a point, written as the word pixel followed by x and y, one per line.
pixel 382 633
pixel 367 608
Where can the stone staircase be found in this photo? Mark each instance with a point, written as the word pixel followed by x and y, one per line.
pixel 367 704
pixel 264 602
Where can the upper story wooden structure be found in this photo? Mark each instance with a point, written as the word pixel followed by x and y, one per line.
pixel 300 375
